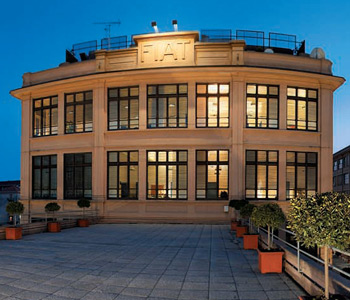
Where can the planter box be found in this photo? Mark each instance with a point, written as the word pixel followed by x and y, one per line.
pixel 241 230
pixel 331 297
pixel 250 241
pixel 234 225
pixel 83 223
pixel 53 227
pixel 270 261
pixel 13 233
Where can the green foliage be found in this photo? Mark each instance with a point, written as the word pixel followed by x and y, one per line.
pixel 269 214
pixel 321 220
pixel 247 210
pixel 237 204
pixel 14 208
pixel 83 203
pixel 52 207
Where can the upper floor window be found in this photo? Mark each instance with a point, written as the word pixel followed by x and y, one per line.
pixel 346 178
pixel 78 112
pixel 123 108
pixel 262 106
pixel 302 108
pixel 45 116
pixel 213 109
pixel 340 164
pixel 167 105
pixel 44 177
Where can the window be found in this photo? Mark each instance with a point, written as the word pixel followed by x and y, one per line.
pixel 45 116
pixel 335 166
pixel 261 178
pixel 123 175
pixel 262 106
pixel 78 112
pixel 340 164
pixel 334 181
pixel 212 174
pixel 123 108
pixel 346 178
pixel 77 175
pixel 301 174
pixel 167 105
pixel 302 108
pixel 167 175
pixel 45 177
pixel 213 108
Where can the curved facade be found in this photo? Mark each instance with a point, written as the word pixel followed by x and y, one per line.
pixel 170 129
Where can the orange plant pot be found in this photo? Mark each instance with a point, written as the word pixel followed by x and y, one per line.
pixel 270 261
pixel 234 225
pixel 53 227
pixel 241 230
pixel 83 223
pixel 250 241
pixel 13 233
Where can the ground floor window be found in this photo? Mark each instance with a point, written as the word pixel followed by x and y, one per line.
pixel 167 175
pixel 212 174
pixel 45 177
pixel 261 179
pixel 301 174
pixel 77 175
pixel 123 174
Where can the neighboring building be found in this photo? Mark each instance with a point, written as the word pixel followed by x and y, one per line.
pixel 341 170
pixel 172 126
pixel 9 190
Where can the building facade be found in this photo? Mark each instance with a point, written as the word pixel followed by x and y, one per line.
pixel 341 171
pixel 9 190
pixel 174 126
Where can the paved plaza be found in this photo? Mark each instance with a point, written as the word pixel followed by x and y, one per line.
pixel 136 261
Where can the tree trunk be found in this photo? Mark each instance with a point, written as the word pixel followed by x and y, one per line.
pixel 326 273
pixel 14 220
pixel 268 237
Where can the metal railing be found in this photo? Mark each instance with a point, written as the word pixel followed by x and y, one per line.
pixel 63 215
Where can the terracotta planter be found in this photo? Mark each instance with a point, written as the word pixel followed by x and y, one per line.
pixel 270 261
pixel 53 227
pixel 331 297
pixel 250 241
pixel 13 233
pixel 83 223
pixel 234 225
pixel 241 230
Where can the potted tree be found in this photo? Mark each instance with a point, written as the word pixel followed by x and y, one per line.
pixel 83 203
pixel 237 205
pixel 53 226
pixel 269 215
pixel 321 220
pixel 250 239
pixel 14 209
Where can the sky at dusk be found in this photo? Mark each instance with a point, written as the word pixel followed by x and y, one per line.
pixel 36 33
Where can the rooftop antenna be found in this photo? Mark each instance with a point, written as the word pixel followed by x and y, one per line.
pixel 108 26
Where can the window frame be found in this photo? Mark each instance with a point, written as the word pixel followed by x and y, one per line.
pixel 41 109
pixel 74 104
pixel 118 164
pixel 50 167
pixel 218 95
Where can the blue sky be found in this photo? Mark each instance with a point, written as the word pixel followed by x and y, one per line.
pixel 36 33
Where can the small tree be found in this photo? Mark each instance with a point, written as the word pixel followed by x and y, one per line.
pixel 14 209
pixel 246 212
pixel 83 203
pixel 270 215
pixel 52 207
pixel 322 220
pixel 237 205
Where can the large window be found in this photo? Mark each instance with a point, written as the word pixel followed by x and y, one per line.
pixel 262 106
pixel 167 105
pixel 167 175
pixel 213 109
pixel 77 175
pixel 123 174
pixel 212 174
pixel 123 108
pixel 78 112
pixel 302 109
pixel 44 177
pixel 261 179
pixel 45 116
pixel 301 174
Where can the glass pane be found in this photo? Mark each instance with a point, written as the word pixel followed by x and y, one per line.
pixel 152 90
pixel 212 184
pixel 69 98
pixel 262 155
pixel 88 95
pixel 123 182
pixel 162 112
pixel 172 181
pixel 79 118
pixel 113 93
pixel 291 114
pixel 113 156
pixel 201 111
pixel 183 111
pixel 312 94
pixel 273 90
pixel 113 115
pixel 124 92
pixel 46 102
pixel 88 117
pixel 162 156
pixel 250 156
pixel 37 103
pixel 311 178
pixel 46 121
pixel 291 157
pixel 223 155
pixel 201 89
pixel 134 91
pixel 261 177
pixel 224 107
pixel 152 156
pixel 273 156
pixel 251 112
pixel 37 123
pixel 262 89
pixel 301 157
pixel 212 155
pixel 272 180
pixel 212 88
pixel 273 111
pixel 302 93
pixel 124 114
pixel 223 177
pixel 291 92
pixel 251 89
pixel 79 97
pixel 290 178
pixel 172 156
pixel 312 158
pixel 250 177
pixel 212 111
pixel 134 178
pixel 182 156
pixel 134 113
pixel 123 156
pixel 69 119
pixel 167 89
pixel 262 112
pixel 54 121
pixel 134 156
pixel 201 156
pixel 112 177
pixel 201 182
pixel 161 181
pixel 182 177
pixel 183 89
pixel 172 110
pixel 151 175
pixel 152 112
pixel 300 177
pixel 224 88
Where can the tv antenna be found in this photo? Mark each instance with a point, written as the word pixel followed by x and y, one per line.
pixel 108 26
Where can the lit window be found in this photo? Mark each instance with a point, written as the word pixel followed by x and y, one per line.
pixel 45 177
pixel 45 116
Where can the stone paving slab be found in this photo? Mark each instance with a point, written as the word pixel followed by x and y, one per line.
pixel 137 262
